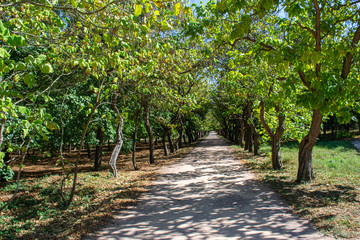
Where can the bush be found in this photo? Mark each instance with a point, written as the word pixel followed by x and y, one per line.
pixel 6 173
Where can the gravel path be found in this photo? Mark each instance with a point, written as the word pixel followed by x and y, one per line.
pixel 208 195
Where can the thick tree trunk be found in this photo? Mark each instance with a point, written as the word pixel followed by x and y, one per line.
pixel 275 154
pixel 150 133
pixel 305 168
pixel 98 149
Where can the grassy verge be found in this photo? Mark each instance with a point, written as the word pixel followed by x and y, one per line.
pixel 37 212
pixel 332 200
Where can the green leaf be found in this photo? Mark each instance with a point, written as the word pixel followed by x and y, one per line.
pixel 30 59
pixel 46 68
pixel 238 32
pixel 40 58
pixel 22 109
pixel 16 41
pixel 177 9
pixel 32 97
pixel 52 126
pixel 138 10
pixel 4 53
pixel 2 65
pixel 316 57
pixel 73 3
pixel 29 79
pixel 3 30
pixel 20 66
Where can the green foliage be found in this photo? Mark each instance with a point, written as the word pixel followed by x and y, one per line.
pixel 6 173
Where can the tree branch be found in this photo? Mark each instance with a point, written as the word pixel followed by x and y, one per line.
pixel 348 59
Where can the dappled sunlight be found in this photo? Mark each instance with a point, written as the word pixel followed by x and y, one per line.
pixel 209 195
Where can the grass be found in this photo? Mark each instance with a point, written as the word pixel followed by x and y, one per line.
pixel 332 200
pixel 38 212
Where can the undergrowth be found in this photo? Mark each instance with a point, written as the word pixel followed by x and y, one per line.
pixel 332 200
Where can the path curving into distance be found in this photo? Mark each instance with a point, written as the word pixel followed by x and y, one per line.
pixel 208 195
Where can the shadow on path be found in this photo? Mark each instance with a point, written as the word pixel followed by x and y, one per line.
pixel 208 195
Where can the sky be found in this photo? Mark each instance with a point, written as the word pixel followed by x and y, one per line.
pixel 197 1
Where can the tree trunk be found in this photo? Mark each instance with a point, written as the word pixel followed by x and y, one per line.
pixel 256 138
pixel 150 133
pixel 275 138
pixel 166 152
pixel 119 141
pixel 78 157
pixel 248 129
pixel 134 139
pixel 88 149
pixel 242 130
pixel 184 138
pixel 305 168
pixel 2 127
pixel 275 154
pixel 98 149
pixel 171 143
pixel 188 133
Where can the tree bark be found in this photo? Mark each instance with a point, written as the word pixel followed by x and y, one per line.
pixel 242 130
pixel 150 133
pixel 88 149
pixel 119 141
pixel 2 127
pixel 134 138
pixel 98 149
pixel 166 152
pixel 171 142
pixel 188 133
pixel 256 139
pixel 248 131
pixel 275 137
pixel 305 169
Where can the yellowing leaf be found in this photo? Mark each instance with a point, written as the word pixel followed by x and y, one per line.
pixel 157 13
pixel 177 9
pixel 138 10
pixel 165 26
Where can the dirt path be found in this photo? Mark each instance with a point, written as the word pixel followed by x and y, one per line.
pixel 209 195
